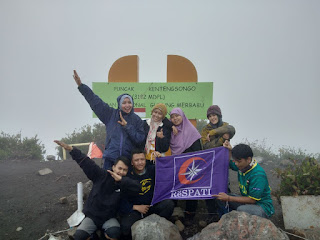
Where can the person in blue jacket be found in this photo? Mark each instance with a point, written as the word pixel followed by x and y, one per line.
pixel 124 128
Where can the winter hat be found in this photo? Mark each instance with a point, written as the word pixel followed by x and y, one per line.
pixel 214 109
pixel 123 97
pixel 162 108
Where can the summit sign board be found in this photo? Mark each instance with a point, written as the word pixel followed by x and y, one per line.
pixel 193 98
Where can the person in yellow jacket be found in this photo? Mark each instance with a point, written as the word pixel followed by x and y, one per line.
pixel 216 131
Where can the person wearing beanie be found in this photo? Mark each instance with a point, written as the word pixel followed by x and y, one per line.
pixel 216 131
pixel 157 133
pixel 214 134
pixel 124 128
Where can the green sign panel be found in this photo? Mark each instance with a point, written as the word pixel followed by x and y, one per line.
pixel 193 98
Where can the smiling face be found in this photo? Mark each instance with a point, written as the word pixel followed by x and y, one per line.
pixel 126 105
pixel 213 118
pixel 138 162
pixel 120 168
pixel 176 119
pixel 157 115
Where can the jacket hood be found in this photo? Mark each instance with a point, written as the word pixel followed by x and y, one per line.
pixel 118 101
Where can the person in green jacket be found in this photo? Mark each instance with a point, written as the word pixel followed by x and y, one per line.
pixel 254 187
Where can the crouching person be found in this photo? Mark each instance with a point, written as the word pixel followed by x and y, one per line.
pixel 102 204
pixel 255 191
pixel 136 208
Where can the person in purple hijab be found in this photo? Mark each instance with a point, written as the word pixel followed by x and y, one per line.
pixel 186 140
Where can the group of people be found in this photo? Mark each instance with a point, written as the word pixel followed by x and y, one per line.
pixel 125 187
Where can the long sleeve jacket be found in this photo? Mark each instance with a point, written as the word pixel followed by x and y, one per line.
pixel 103 201
pixel 120 139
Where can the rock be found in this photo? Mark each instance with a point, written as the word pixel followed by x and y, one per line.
pixel 180 225
pixel 19 229
pixel 54 238
pixel 178 213
pixel 202 224
pixel 156 228
pixel 72 199
pixel 63 200
pixel 240 225
pixel 45 171
pixel 51 157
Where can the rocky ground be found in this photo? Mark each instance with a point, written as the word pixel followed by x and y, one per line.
pixel 30 203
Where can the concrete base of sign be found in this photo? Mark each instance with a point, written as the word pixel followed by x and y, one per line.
pixel 301 212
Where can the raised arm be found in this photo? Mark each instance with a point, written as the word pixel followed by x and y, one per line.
pixel 76 78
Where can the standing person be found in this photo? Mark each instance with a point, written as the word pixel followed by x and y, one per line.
pixel 158 133
pixel 102 204
pixel 216 132
pixel 254 187
pixel 186 140
pixel 137 207
pixel 124 128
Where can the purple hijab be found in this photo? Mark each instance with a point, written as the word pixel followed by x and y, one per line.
pixel 187 134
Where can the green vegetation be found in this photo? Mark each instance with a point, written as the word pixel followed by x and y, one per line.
pixel 300 179
pixel 13 147
pixel 85 134
pixel 289 153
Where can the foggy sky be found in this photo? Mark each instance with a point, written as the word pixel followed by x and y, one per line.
pixel 263 57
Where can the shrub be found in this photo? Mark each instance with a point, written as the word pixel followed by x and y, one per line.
pixel 85 134
pixel 262 150
pixel 13 147
pixel 300 179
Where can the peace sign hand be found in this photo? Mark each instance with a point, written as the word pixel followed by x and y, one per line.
pixel 123 122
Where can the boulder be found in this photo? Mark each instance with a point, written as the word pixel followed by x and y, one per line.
pixel 45 171
pixel 240 225
pixel 50 157
pixel 156 228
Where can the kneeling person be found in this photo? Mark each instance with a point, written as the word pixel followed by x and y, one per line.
pixel 255 191
pixel 136 208
pixel 103 202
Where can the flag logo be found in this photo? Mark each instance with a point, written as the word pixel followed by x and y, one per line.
pixel 196 175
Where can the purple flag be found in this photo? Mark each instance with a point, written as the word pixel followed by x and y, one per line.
pixel 195 175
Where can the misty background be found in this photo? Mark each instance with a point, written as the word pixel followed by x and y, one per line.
pixel 262 56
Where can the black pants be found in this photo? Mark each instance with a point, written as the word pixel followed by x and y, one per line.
pixel 163 209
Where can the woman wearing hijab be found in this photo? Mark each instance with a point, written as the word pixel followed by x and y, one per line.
pixel 124 128
pixel 186 140
pixel 158 133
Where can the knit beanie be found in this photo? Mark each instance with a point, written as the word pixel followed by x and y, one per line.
pixel 162 108
pixel 123 97
pixel 214 109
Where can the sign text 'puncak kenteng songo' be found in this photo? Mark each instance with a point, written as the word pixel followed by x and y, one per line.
pixel 193 98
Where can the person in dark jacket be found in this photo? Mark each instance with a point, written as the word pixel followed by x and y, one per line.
pixel 137 207
pixel 157 133
pixel 124 128
pixel 102 204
